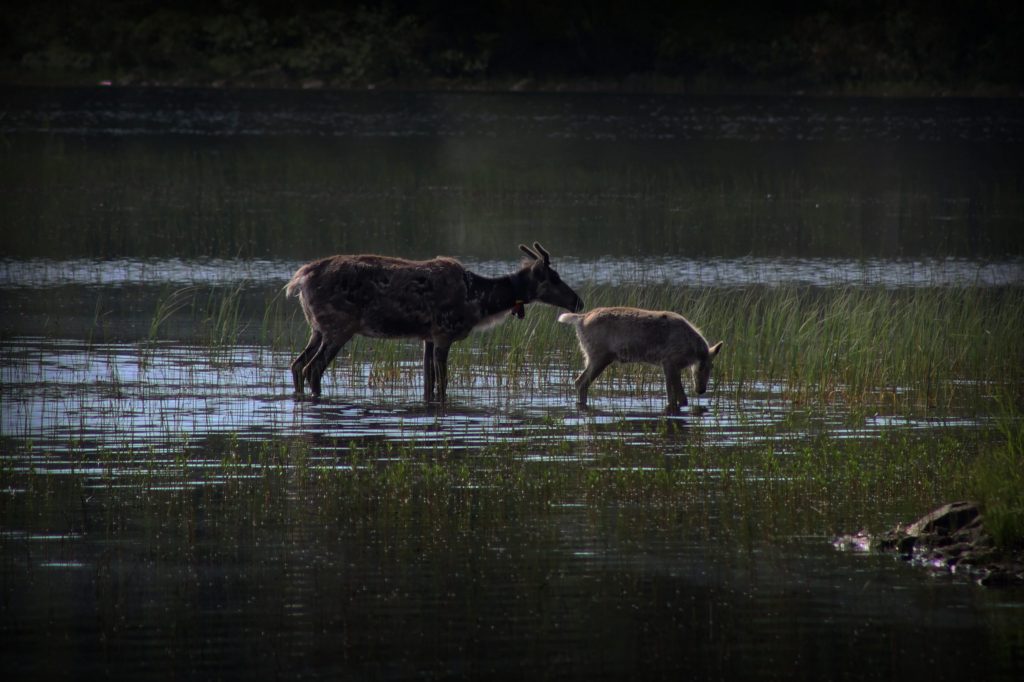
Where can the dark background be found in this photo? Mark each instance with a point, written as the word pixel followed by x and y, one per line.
pixel 861 46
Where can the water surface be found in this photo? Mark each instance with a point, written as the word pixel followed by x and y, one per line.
pixel 168 507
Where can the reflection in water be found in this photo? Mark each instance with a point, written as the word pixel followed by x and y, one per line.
pixel 125 112
pixel 139 174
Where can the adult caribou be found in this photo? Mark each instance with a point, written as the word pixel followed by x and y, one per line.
pixel 438 301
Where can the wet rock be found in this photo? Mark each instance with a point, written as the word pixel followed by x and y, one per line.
pixel 950 539
pixel 857 542
pixel 945 520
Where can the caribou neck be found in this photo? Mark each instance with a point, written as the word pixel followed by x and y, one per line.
pixel 500 294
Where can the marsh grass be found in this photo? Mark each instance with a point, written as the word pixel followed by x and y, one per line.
pixel 215 317
pixel 921 349
pixel 860 351
pixel 926 349
pixel 281 327
pixel 916 348
pixel 167 307
pixel 998 478
pixel 222 316
pixel 783 488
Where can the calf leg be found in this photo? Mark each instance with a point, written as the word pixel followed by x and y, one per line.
pixel 428 370
pixel 441 370
pixel 674 389
pixel 303 358
pixel 593 369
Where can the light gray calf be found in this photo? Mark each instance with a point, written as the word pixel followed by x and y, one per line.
pixel 437 300
pixel 635 335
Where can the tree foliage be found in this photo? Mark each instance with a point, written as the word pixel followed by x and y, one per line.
pixel 831 44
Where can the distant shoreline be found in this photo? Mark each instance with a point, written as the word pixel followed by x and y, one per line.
pixel 898 48
pixel 632 85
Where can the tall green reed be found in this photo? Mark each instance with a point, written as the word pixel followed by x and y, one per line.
pixel 998 478
pixel 920 349
pixel 924 348
pixel 168 306
pixel 223 318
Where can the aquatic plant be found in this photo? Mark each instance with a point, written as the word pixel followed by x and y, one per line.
pixel 908 349
pixel 223 316
pixel 998 478
pixel 820 486
pixel 168 306
pixel 923 349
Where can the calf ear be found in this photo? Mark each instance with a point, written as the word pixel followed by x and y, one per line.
pixel 713 351
pixel 526 249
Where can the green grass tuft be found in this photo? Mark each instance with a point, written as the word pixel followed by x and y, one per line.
pixel 998 480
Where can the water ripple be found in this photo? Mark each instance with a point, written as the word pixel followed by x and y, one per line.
pixel 67 398
pixel 37 273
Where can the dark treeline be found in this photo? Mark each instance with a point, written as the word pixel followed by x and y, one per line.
pixel 837 45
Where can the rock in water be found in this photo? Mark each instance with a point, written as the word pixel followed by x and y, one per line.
pixel 952 539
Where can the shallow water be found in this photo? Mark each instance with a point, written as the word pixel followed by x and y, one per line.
pixel 168 507
pixel 63 395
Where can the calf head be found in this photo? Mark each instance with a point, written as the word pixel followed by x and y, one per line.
pixel 545 284
pixel 702 369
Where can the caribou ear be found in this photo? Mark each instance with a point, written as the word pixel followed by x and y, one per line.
pixel 713 351
pixel 526 249
pixel 540 249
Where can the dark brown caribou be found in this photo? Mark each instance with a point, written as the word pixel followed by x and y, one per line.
pixel 438 301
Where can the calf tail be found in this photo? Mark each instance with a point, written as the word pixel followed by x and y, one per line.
pixel 570 318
